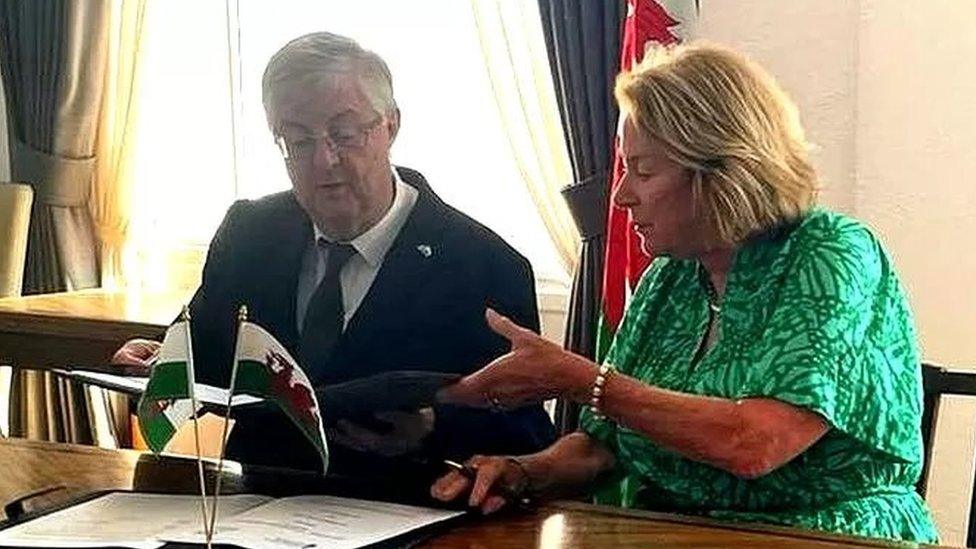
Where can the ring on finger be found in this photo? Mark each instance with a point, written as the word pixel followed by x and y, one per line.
pixel 494 402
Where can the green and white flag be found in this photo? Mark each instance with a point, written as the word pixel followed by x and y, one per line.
pixel 265 369
pixel 166 403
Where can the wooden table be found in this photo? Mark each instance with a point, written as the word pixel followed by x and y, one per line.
pixel 80 328
pixel 31 465
pixel 84 328
pixel 572 524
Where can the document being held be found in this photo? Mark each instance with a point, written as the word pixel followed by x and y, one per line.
pixel 137 520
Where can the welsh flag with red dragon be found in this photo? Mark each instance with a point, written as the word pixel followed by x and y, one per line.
pixel 265 369
pixel 624 261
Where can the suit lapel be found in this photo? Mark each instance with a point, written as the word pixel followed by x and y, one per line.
pixel 413 259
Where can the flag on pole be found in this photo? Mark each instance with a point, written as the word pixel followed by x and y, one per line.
pixel 166 402
pixel 170 399
pixel 267 370
pixel 647 22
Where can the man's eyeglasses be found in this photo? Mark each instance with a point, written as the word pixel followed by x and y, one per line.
pixel 338 138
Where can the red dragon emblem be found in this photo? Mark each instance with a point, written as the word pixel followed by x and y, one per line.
pixel 296 395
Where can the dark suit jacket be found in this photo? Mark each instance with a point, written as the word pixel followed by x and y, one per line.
pixel 422 312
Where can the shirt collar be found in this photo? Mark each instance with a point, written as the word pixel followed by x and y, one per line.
pixel 378 239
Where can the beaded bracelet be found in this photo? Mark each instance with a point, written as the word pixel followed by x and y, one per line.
pixel 596 393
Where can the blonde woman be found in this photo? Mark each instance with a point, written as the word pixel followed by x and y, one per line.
pixel 767 367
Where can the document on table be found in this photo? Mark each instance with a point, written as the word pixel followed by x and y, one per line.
pixel 120 519
pixel 146 521
pixel 306 522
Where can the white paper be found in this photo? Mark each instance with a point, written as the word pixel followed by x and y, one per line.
pixel 306 522
pixel 121 519
pixel 137 384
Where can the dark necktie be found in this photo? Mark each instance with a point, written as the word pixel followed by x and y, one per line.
pixel 325 314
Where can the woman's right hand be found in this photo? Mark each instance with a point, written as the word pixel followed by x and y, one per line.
pixel 494 475
pixel 137 355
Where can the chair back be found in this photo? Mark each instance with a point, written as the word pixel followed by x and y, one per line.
pixel 15 214
pixel 938 381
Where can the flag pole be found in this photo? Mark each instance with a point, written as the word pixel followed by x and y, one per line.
pixel 241 319
pixel 190 384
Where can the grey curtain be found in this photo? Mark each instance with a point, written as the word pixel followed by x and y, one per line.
pixel 52 58
pixel 583 41
pixel 53 61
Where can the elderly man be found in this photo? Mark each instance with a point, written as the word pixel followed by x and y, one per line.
pixel 360 269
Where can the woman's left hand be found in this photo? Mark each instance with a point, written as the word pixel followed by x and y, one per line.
pixel 533 371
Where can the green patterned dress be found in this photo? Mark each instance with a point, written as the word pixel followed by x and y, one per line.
pixel 814 317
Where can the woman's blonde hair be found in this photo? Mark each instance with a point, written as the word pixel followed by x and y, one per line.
pixel 724 118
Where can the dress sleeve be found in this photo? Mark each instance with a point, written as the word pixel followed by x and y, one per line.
pixel 840 341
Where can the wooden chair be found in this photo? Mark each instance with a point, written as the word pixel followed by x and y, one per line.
pixel 938 381
pixel 15 209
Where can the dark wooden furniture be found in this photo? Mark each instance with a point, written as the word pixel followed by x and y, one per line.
pixel 936 382
pixel 80 328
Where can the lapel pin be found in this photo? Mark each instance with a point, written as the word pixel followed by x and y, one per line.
pixel 425 250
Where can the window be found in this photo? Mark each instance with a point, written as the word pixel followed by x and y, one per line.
pixel 196 83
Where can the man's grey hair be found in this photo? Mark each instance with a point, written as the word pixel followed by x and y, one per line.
pixel 315 59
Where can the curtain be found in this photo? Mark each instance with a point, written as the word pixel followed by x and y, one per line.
pixel 111 197
pixel 516 60
pixel 583 45
pixel 52 61
pixel 53 57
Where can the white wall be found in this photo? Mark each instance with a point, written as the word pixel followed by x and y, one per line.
pixel 886 89
pixel 916 163
pixel 810 46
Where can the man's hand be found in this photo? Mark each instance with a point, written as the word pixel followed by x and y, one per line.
pixel 137 355
pixel 406 435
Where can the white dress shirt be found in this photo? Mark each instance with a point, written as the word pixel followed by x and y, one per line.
pixel 358 273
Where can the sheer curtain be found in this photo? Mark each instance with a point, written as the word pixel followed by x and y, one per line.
pixel 515 57
pixel 182 163
pixel 111 197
